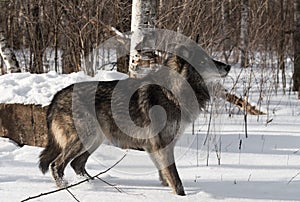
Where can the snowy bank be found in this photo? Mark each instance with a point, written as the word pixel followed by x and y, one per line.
pixel 29 88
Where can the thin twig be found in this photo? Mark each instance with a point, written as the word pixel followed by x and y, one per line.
pixel 112 185
pixel 76 184
pixel 208 127
pixel 72 195
pixel 293 178
pixel 207 138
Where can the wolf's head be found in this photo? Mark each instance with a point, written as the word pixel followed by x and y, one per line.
pixel 194 56
pixel 222 68
pixel 199 75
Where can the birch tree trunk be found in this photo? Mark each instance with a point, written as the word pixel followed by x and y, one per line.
pixel 142 59
pixel 244 33
pixel 296 75
pixel 7 55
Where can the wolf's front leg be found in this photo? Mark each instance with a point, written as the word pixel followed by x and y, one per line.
pixel 171 174
pixel 165 162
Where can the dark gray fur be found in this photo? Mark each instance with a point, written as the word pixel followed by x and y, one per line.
pixel 73 139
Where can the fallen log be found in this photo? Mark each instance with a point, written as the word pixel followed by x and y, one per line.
pixel 243 104
pixel 24 124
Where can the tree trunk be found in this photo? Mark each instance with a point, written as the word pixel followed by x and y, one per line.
pixel 142 59
pixel 227 41
pixel 296 76
pixel 70 57
pixel 244 33
pixel 7 54
pixel 122 63
pixel 56 24
pixel 281 65
pixel 71 52
pixel 38 47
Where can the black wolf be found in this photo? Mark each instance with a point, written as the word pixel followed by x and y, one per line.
pixel 76 132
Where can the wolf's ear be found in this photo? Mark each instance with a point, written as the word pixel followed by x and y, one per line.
pixel 171 47
pixel 179 50
pixel 184 52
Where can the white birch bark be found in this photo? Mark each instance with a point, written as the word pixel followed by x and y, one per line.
pixel 142 41
pixel 8 56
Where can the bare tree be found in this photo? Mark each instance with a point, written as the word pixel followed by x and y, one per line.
pixel 296 75
pixel 7 55
pixel 38 46
pixel 281 47
pixel 244 33
pixel 70 37
pixel 55 19
pixel 71 29
pixel 227 41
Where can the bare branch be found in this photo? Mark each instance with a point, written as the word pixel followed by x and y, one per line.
pixel 112 185
pixel 243 104
pixel 121 37
pixel 76 184
pixel 293 178
pixel 72 195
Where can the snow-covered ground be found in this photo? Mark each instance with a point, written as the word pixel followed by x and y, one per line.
pixel 263 167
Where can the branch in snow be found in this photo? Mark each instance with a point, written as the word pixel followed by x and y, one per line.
pixel 78 183
pixel 243 104
pixel 293 178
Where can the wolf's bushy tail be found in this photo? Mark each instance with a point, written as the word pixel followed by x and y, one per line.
pixel 49 154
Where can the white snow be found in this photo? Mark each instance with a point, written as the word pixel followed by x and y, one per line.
pixel 39 88
pixel 266 168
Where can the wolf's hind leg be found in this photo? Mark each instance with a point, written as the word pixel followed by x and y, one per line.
pixel 60 163
pixel 58 174
pixel 78 164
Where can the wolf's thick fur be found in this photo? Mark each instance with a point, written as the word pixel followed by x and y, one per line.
pixel 94 120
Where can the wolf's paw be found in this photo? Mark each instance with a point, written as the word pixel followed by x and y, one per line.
pixel 61 183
